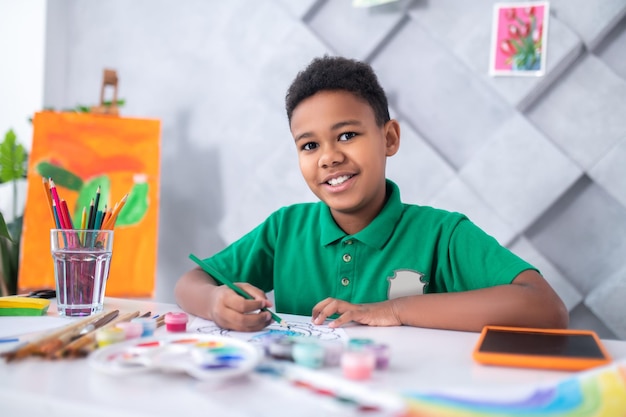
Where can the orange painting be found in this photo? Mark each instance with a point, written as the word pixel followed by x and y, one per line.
pixel 82 152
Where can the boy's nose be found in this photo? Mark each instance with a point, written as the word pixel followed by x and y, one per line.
pixel 330 156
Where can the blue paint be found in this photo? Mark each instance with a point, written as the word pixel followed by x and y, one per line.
pixel 226 358
pixel 9 340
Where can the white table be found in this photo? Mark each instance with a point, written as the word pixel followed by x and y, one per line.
pixel 421 359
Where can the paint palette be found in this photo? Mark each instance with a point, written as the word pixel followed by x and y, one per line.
pixel 201 356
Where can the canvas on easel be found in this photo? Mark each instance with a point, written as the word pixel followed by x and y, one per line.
pixel 81 151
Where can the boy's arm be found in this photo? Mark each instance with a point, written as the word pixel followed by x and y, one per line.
pixel 528 301
pixel 197 293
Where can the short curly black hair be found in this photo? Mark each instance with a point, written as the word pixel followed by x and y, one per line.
pixel 330 73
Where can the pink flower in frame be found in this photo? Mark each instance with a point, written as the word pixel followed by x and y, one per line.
pixel 518 39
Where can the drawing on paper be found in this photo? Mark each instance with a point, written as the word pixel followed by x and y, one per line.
pixel 298 327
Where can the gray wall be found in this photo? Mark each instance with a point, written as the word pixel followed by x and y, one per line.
pixel 537 162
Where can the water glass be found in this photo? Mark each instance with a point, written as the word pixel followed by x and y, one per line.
pixel 82 259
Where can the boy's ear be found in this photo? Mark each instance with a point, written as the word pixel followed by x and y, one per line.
pixel 392 137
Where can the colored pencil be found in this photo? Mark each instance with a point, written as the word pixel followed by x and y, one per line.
pixel 55 212
pixel 110 224
pixel 46 190
pixel 96 203
pixel 54 194
pixel 98 220
pixel 83 219
pixel 105 218
pixel 90 218
pixel 66 215
pixel 223 280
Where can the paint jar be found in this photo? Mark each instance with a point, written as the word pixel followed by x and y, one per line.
pixel 282 348
pixel 332 352
pixel 148 325
pixel 381 352
pixel 176 322
pixel 131 329
pixel 109 335
pixel 358 343
pixel 309 354
pixel 358 364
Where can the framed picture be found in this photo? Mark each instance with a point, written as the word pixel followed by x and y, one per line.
pixel 81 152
pixel 519 39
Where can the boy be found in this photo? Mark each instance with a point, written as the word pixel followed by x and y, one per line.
pixel 360 254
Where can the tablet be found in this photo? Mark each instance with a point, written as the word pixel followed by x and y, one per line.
pixel 540 348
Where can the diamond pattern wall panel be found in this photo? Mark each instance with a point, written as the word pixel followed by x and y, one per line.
pixel 538 162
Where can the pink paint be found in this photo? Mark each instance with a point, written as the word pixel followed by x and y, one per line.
pixel 176 322
pixel 358 364
pixel 131 329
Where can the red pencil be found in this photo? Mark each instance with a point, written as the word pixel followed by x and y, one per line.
pixel 67 219
pixel 55 197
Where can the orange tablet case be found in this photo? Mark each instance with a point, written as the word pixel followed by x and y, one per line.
pixel 570 363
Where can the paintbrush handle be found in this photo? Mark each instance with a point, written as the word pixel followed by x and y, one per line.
pixel 34 346
pixel 87 343
pixel 86 331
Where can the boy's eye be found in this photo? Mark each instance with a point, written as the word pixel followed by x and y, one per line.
pixel 347 136
pixel 309 146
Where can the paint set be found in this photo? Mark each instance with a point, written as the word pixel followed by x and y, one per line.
pixel 141 327
pixel 358 359
pixel 206 357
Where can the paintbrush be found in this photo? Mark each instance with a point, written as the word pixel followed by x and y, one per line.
pixel 65 350
pixel 223 280
pixel 160 321
pixel 87 344
pixel 97 324
pixel 34 347
pixel 50 347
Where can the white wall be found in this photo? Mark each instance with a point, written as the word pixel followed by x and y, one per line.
pixel 22 40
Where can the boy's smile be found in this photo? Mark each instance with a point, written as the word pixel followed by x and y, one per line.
pixel 342 154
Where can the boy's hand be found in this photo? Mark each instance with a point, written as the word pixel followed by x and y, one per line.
pixel 374 314
pixel 231 311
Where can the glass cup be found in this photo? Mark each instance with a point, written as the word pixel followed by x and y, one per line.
pixel 81 267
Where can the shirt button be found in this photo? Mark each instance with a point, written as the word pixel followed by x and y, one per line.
pixel 347 257
pixel 345 282
pixel 348 242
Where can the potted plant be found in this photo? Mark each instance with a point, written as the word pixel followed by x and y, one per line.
pixel 13 167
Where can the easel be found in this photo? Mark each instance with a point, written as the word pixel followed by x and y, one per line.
pixel 109 78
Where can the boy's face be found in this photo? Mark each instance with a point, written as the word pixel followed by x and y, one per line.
pixel 342 152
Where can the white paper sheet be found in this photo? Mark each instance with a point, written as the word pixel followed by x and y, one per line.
pixel 298 326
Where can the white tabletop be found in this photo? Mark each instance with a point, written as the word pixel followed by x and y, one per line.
pixel 421 360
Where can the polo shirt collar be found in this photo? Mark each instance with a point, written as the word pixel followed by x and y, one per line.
pixel 377 233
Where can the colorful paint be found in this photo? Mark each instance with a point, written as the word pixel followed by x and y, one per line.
pixel 176 322
pixel 595 393
pixel 201 356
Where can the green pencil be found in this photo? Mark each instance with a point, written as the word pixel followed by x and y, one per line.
pixel 223 280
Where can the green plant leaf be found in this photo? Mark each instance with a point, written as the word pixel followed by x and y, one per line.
pixel 12 158
pixel 10 254
pixel 4 232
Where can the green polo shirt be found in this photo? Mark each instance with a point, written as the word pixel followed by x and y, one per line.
pixel 301 254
